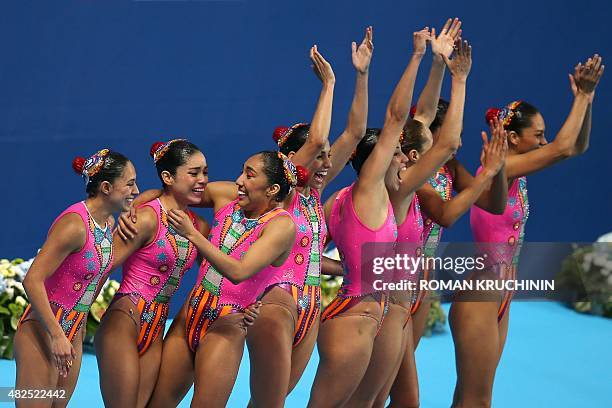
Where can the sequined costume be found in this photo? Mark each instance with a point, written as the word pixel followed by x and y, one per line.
pixel 442 182
pixel 502 235
pixel 74 285
pixel 349 235
pixel 301 274
pixel 215 296
pixel 153 274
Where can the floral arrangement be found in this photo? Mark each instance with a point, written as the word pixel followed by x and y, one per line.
pixel 436 319
pixel 13 301
pixel 587 275
pixel 97 310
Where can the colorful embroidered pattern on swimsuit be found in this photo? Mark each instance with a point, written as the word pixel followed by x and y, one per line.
pixel 442 182
pixel 202 311
pixel 236 229
pixel 308 303
pixel 183 250
pixel 71 320
pixel 312 211
pixel 103 245
pixel 520 214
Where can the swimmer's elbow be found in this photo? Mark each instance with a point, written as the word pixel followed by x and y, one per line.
pixel 239 274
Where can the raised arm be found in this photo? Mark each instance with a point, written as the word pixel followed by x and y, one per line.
pixel 358 116
pixel 587 77
pixel 274 242
pixel 448 142
pixel 373 170
pixel 582 143
pixel 67 236
pixel 494 198
pixel 440 45
pixel 321 121
pixel 446 213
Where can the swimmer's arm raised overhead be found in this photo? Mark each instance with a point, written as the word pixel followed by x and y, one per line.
pixel 493 199
pixel 450 133
pixel 274 242
pixel 564 145
pixel 582 142
pixel 445 213
pixel 440 45
pixel 358 115
pixel 67 236
pixel 373 171
pixel 321 121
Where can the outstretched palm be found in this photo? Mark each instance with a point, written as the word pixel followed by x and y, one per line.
pixel 321 67
pixel 444 42
pixel 461 63
pixel 362 55
pixel 493 153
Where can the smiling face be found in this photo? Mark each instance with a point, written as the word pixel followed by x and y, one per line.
pixel 123 189
pixel 398 164
pixel 189 181
pixel 255 191
pixel 530 137
pixel 319 167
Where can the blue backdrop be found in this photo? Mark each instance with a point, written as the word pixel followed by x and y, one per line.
pixel 82 76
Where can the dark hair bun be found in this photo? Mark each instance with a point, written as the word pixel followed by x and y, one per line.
pixel 154 147
pixel 279 132
pixel 77 164
pixel 492 113
pixel 302 176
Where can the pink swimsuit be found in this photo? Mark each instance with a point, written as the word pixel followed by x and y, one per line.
pixel 215 296
pixel 152 275
pixel 301 274
pixel 410 234
pixel 349 234
pixel 304 265
pixel 502 235
pixel 76 282
pixel 442 182
pixel 410 242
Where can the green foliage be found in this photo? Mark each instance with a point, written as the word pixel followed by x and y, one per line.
pixel 13 302
pixel 587 275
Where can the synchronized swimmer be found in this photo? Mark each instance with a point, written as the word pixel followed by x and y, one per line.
pixel 261 257
pixel 465 285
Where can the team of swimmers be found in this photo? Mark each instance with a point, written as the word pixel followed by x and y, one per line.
pixel 261 257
